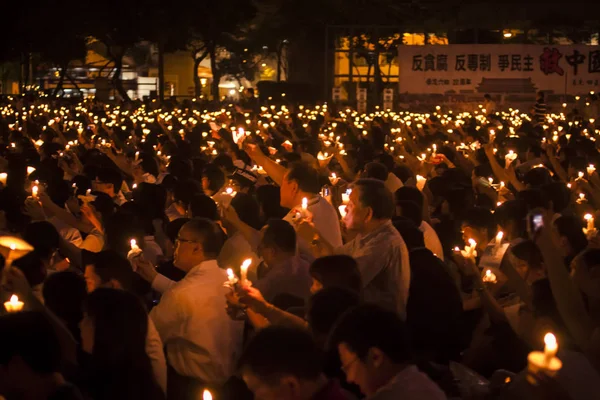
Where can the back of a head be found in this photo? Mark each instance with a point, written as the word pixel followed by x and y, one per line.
pixel 112 176
pixel 185 190
pixel 64 293
pixel 410 210
pixel 278 351
pixel 247 209
pixel 202 206
pixel 533 198
pixel 337 271
pixel 480 218
pixel 374 194
pixel 31 337
pixel 110 265
pixel 43 237
pixel 572 228
pixel 269 199
pixel 411 234
pixel 409 193
pixel 306 176
pixel 528 251
pixel 215 176
pixel 33 267
pixel 375 170
pixel 559 194
pixel 280 234
pixel 120 326
pixel 370 326
pixel 326 306
pixel 208 234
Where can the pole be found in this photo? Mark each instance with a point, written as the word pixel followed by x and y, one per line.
pixel 161 71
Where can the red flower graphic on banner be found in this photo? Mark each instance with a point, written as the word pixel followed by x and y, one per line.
pixel 549 61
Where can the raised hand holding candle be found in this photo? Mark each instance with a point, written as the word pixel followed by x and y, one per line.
pixel 489 277
pixel 304 204
pixel 244 271
pixel 334 179
pixel 546 362
pixel 34 191
pixel 13 305
pixel 590 169
pixel 470 251
pixel 346 196
pixel 590 230
pixel 421 182
pixel 3 178
pixel 133 244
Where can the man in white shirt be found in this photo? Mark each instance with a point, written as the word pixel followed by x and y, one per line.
pixel 298 182
pixel 202 342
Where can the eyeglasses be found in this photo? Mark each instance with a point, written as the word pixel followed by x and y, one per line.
pixel 347 365
pixel 180 240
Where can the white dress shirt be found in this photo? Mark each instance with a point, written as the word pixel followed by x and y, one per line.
pixel 154 349
pixel 432 241
pixel 202 341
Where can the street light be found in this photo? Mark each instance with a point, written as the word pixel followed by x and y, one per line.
pixel 508 34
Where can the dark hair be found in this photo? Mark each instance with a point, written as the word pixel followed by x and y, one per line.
pixel 409 193
pixel 480 218
pixel 528 251
pixel 269 199
pixel 572 228
pixel 203 206
pixel 277 351
pixel 371 326
pixel 326 306
pixel 224 161
pixel 33 268
pixel 59 192
pixel 375 170
pixel 537 177
pixel 173 227
pixel 337 271
pixel 42 235
pixel 112 176
pixel 373 194
pixel 64 293
pixel 109 265
pixel 30 335
pixel 559 194
pixel 411 234
pixel 185 190
pixel 410 210
pixel 119 354
pixel 279 234
pixel 215 176
pixel 533 198
pixel 305 176
pixel 209 234
pixel 515 211
pixel 247 209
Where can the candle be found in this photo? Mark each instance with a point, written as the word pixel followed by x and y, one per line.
pixel 510 157
pixel 34 191
pixel 546 362
pixel 30 170
pixel 421 182
pixel 334 179
pixel 244 270
pixel 14 304
pixel 231 279
pixel 590 169
pixel 470 250
pixel 304 204
pixel 342 210
pixel 229 191
pixel 346 196
pixel 489 277
pixel 133 244
pixel 550 348
pixel 579 175
pixel 206 395
pixel 3 178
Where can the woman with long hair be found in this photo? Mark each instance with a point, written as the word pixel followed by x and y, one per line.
pixel 115 364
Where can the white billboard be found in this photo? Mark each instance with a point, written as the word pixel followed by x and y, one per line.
pixel 481 68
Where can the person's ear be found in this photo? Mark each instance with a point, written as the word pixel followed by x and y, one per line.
pixel 369 215
pixel 375 357
pixel 114 284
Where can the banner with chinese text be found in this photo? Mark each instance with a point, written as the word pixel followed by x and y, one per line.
pixel 480 68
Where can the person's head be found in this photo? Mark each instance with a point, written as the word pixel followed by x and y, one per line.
pixel 243 181
pixel 277 242
pixel 247 210
pixel 409 193
pixel 44 238
pixel 511 217
pixel 108 269
pixel 540 96
pixel 109 181
pixel 203 206
pixel 64 293
pixel 411 234
pixel 301 180
pixel 527 261
pixel 375 170
pixel 335 271
pixel 372 343
pixel 114 327
pixel 183 193
pixel 370 204
pixel 281 363
pixel 558 194
pixel 269 201
pixel 325 307
pixel 571 237
pixel 213 179
pixel 478 224
pixel 198 240
pixel 410 210
pixel 487 97
pixel 29 352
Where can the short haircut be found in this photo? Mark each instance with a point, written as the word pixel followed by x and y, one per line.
pixel 410 210
pixel 185 190
pixel 559 194
pixel 112 176
pixel 409 193
pixel 174 226
pixel 512 211
pixel 278 351
pixel 208 233
pixel 215 176
pixel 480 218
pixel 373 194
pixel 375 170
pixel 411 234
pixel 109 265
pixel 60 191
pixel 371 326
pixel 279 234
pixel 30 336
pixel 326 306
pixel 33 268
pixel 64 293
pixel 247 209
pixel 268 197
pixel 202 206
pixel 528 251
pixel 305 176
pixel 537 177
pixel 43 236
pixel 572 228
pixel 337 271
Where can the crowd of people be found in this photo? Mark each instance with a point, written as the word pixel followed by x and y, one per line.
pixel 283 252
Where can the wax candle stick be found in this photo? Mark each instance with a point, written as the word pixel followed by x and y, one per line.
pixel 34 191
pixel 207 395
pixel 544 362
pixel 244 270
pixel 590 169
pixel 421 182
pixel 346 196
pixel 304 204
pixel 3 178
pixel 489 277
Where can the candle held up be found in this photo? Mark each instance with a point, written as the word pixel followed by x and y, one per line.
pixel 244 270
pixel 304 204
pixel 206 395
pixel 13 305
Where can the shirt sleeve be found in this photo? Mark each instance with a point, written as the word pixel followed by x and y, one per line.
pixel 161 283
pixel 93 242
pixel 167 318
pixel 154 349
